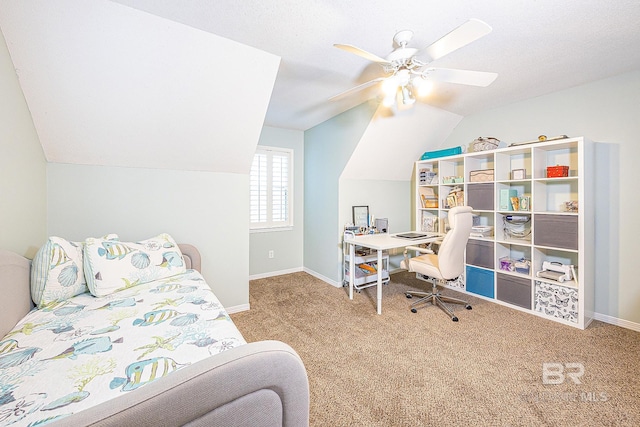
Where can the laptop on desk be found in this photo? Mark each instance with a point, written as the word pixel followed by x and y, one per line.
pixel 414 236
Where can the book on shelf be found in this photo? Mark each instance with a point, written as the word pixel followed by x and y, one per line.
pixel 429 202
pixel 429 223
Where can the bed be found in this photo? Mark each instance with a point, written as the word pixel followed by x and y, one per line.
pixel 147 344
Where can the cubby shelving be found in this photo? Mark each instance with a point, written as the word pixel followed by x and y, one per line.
pixel 535 218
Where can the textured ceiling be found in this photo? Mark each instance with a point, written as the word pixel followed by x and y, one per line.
pixel 189 84
pixel 536 47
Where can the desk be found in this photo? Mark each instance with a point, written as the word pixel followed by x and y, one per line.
pixel 380 242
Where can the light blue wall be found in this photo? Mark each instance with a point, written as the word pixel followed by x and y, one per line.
pixel 327 149
pixel 287 245
pixel 23 183
pixel 207 209
pixel 605 111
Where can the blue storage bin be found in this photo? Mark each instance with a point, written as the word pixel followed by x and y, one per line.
pixel 480 281
pixel 441 153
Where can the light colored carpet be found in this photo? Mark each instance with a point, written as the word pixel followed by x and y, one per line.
pixel 406 369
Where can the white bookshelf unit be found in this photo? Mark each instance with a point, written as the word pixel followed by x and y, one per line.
pixel 551 221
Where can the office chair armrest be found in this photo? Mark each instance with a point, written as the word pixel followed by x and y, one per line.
pixel 405 262
pixel 426 250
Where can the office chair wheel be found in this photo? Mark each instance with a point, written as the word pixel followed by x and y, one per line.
pixel 413 310
pixel 408 296
pixel 468 307
pixel 454 318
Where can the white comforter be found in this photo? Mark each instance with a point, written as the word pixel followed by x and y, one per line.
pixel 81 352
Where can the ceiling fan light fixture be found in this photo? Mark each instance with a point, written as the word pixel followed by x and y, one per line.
pixel 389 100
pixel 389 87
pixel 407 96
pixel 406 76
pixel 422 86
pixel 403 77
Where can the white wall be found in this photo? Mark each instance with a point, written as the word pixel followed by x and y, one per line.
pixel 207 209
pixel 379 173
pixel 287 245
pixel 22 168
pixel 607 112
pixel 111 85
pixel 391 143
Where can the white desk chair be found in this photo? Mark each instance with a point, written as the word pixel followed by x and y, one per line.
pixel 448 264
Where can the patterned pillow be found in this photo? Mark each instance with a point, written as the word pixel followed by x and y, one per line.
pixel 111 266
pixel 57 271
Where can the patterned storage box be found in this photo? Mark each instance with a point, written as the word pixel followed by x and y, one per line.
pixel 484 143
pixel 484 175
pixel 556 301
pixel 455 283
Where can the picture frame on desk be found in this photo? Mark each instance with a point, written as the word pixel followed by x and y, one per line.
pixel 360 216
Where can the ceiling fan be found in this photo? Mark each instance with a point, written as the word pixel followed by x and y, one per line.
pixel 408 72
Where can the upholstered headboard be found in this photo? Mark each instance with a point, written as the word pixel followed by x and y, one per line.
pixel 15 289
pixel 191 256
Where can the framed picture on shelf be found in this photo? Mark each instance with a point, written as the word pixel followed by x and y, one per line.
pixel 518 174
pixel 360 216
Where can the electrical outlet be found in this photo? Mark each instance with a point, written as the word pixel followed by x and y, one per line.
pixel 271 254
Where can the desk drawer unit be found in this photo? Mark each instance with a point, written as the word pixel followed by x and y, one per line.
pixel 479 281
pixel 480 196
pixel 560 231
pixel 514 290
pixel 480 253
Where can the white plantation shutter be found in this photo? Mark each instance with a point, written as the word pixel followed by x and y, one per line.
pixel 271 188
pixel 258 188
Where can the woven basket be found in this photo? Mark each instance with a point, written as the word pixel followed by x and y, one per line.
pixel 484 143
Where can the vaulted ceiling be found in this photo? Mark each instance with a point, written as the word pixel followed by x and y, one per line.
pixel 536 46
pixel 142 82
pixel 110 85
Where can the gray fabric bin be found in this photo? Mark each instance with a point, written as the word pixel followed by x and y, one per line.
pixel 480 253
pixel 559 231
pixel 514 290
pixel 480 196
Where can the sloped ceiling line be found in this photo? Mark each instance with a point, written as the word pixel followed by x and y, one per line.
pixel 110 85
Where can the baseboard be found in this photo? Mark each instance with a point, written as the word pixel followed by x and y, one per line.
pixel 323 278
pixel 237 308
pixel 616 321
pixel 275 273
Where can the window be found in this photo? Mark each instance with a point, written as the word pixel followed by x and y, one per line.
pixel 271 188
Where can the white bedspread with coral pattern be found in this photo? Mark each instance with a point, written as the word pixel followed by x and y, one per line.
pixel 83 351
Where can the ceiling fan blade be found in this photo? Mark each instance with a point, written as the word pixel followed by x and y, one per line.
pixel 363 53
pixel 464 77
pixel 357 88
pixel 466 33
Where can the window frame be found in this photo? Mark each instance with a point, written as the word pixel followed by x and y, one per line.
pixel 270 225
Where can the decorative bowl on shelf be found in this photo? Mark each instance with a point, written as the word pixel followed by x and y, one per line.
pixel 571 206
